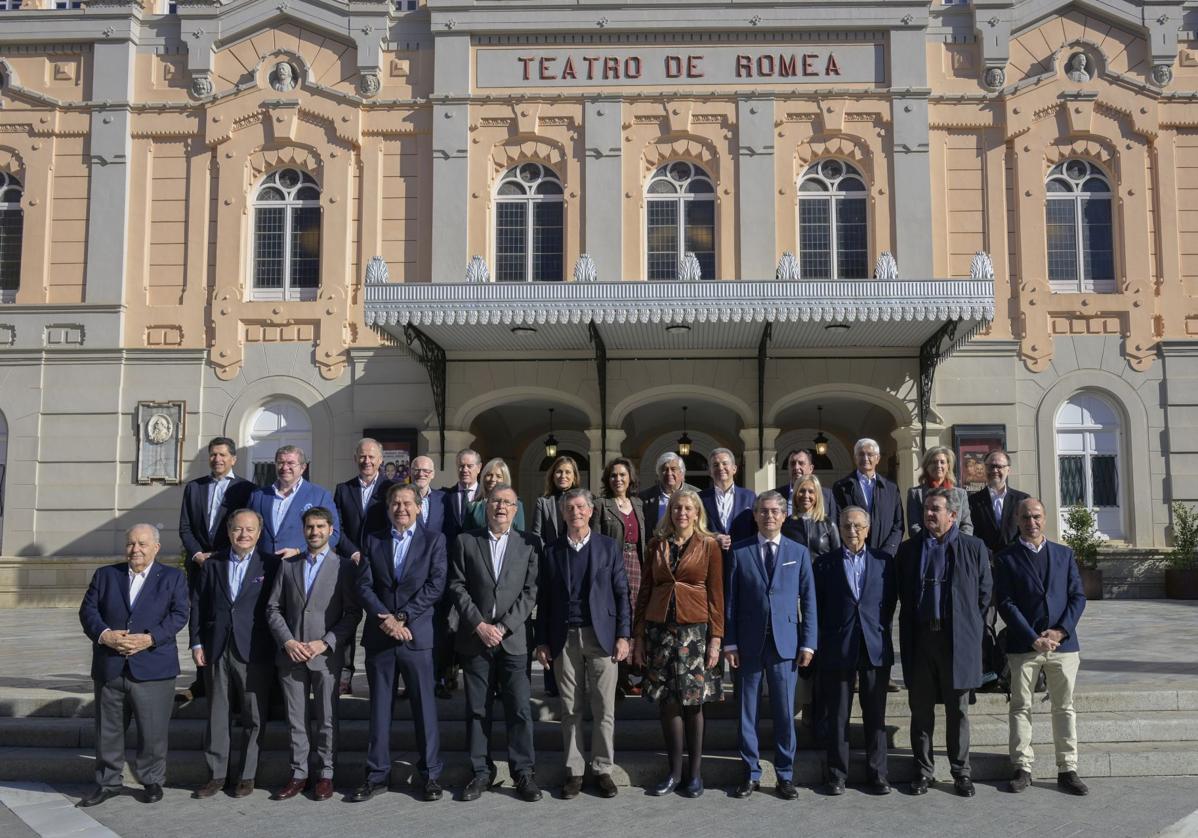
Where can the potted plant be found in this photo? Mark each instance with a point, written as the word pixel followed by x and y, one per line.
pixel 1081 534
pixel 1181 576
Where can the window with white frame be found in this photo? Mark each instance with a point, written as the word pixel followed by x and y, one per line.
pixel 169 7
pixel 679 219
pixel 528 225
pixel 286 249
pixel 1088 442
pixel 270 427
pixel 12 225
pixel 1078 223
pixel 9 5
pixel 833 233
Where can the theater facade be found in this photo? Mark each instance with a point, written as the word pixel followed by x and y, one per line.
pixel 484 223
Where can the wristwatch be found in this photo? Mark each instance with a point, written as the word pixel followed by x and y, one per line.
pixel 402 616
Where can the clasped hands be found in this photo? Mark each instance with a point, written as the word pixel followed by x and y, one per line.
pixel 491 634
pixel 622 651
pixel 1049 640
pixel 301 652
pixel 125 643
pixel 394 627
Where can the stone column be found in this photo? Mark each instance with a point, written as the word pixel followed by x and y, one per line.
pixel 455 441
pixel 602 201
pixel 755 191
pixel 759 478
pixel 911 195
pixel 600 458
pixel 451 163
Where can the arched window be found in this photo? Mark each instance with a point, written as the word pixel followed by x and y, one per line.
pixel 833 236
pixel 1081 255
pixel 12 224
pixel 680 210
pixel 528 224
pixel 275 424
pixel 287 237
pixel 1087 437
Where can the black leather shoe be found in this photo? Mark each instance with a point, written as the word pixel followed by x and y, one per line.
pixel 786 790
pixel 920 785
pixel 746 788
pixel 963 786
pixel 1020 781
pixel 607 786
pixel 153 793
pixel 835 787
pixel 98 796
pixel 442 690
pixel 880 786
pixel 366 791
pixel 474 789
pixel 1069 781
pixel 693 788
pixel 432 791
pixel 572 786
pixel 665 786
pixel 526 787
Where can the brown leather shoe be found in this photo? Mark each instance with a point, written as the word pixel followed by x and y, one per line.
pixel 244 788
pixel 294 786
pixel 323 790
pixel 209 789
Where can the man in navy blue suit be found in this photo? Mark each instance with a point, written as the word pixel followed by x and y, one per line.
pixel 582 628
pixel 400 579
pixel 432 501
pixel 283 503
pixel 1039 593
pixel 231 643
pixel 856 594
pixel 769 631
pixel 361 504
pixel 131 612
pixel 875 494
pixel 799 465
pixel 729 507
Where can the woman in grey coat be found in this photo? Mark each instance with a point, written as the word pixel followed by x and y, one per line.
pixel 939 465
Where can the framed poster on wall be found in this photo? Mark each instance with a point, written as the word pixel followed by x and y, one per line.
pixel 399 447
pixel 971 444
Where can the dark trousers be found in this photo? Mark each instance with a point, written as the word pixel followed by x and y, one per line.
pixel 444 627
pixel 931 682
pixel 415 666
pixel 149 702
pixel 482 673
pixel 227 679
pixel 835 688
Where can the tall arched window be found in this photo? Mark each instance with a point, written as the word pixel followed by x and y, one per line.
pixel 833 236
pixel 287 237
pixel 528 224
pixel 275 424
pixel 1087 438
pixel 12 224
pixel 1081 250
pixel 680 210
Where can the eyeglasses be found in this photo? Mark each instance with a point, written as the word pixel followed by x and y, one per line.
pixel 422 471
pixel 502 503
pixel 855 527
pixel 997 466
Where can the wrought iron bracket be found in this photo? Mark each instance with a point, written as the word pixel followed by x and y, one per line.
pixel 601 374
pixel 934 350
pixel 762 357
pixel 432 357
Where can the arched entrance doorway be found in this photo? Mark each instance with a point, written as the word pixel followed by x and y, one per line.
pixel 655 427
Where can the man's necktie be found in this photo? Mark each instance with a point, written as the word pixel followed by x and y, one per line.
pixel 771 559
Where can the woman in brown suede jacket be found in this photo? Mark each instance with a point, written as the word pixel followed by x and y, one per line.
pixel 678 631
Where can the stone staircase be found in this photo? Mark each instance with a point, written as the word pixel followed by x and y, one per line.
pixel 48 735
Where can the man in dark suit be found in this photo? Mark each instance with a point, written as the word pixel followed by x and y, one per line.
pixel 583 626
pixel 799 465
pixel 671 476
pixel 1039 592
pixel 432 501
pixel 856 594
pixel 312 611
pixel 875 494
pixel 493 586
pixel 282 505
pixel 455 507
pixel 131 612
pixel 769 631
pixel 944 587
pixel 729 507
pixel 361 504
pixel 400 580
pixel 992 508
pixel 207 502
pixel 231 641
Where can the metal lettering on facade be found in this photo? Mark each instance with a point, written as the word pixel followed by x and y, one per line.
pixel 585 67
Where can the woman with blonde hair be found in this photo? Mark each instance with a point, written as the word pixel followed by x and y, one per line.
pixel 938 466
pixel 809 524
pixel 678 632
pixel 547 517
pixel 494 472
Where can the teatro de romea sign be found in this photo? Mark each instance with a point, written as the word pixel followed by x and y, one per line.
pixel 690 65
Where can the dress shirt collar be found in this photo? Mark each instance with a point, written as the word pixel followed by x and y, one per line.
pixel 363 484
pixel 1033 548
pixel 762 541
pixel 308 557
pixel 995 495
pixel 408 533
pixel 237 558
pixel 496 538
pixel 470 490
pixel 851 556
pixel 143 575
pixel 226 478
pixel 576 546
pixel 861 478
pixel 724 493
pixel 278 490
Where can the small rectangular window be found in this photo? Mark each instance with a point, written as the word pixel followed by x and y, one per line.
pixel 511 244
pixel 68 4
pixel 815 239
pixel 269 247
pixel 9 5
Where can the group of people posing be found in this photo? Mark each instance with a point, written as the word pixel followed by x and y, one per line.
pixel 669 593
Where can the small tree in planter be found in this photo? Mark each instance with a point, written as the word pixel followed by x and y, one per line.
pixel 1081 534
pixel 1181 577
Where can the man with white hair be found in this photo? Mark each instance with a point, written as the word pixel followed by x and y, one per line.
pixel 875 494
pixel 132 611
pixel 671 476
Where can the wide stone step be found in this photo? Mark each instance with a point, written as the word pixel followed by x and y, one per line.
pixel 634 768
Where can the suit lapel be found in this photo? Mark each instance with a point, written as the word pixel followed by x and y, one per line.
pixel 515 551
pixel 252 569
pixel 484 551
pixel 199 503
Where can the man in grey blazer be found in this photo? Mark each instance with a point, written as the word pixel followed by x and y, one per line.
pixel 312 613
pixel 493 586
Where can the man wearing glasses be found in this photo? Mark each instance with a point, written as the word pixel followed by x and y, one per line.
pixel 993 507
